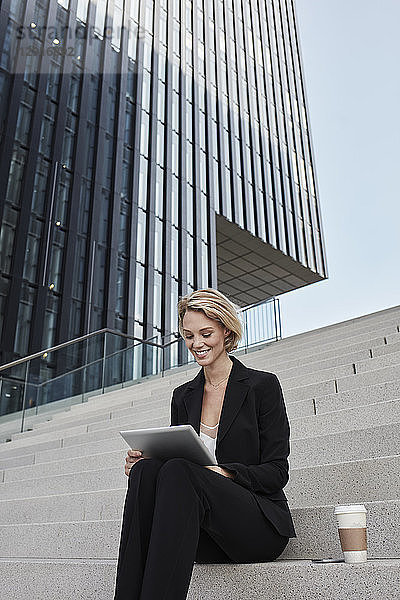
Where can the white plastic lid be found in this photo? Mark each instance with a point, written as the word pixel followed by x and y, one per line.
pixel 350 508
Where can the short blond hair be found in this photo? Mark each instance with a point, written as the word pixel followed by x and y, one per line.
pixel 215 306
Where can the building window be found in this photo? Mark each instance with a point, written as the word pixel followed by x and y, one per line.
pixel 69 141
pixel 56 254
pixel 27 299
pixel 160 144
pixel 175 153
pixel 204 264
pixel 50 321
pixel 139 292
pixel 190 259
pixel 161 101
pixel 141 236
pixel 159 205
pixel 174 252
pixel 158 244
pixel 7 234
pixel 32 250
pixel 189 208
pixel 15 176
pixel 157 299
pixel 122 271
pixel 39 186
pixel 142 196
pixel 174 200
pixel 144 134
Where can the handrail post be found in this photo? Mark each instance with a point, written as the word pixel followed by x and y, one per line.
pixel 84 370
pixel 24 396
pixel 104 362
pixel 246 337
pixel 276 322
pixel 279 318
pixel 162 356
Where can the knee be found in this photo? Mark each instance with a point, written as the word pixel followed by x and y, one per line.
pixel 146 466
pixel 175 464
pixel 174 467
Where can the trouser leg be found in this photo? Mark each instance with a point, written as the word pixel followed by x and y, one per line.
pixel 190 498
pixel 136 527
pixel 179 510
pixel 208 551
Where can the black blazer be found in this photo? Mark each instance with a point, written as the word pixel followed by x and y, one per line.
pixel 252 438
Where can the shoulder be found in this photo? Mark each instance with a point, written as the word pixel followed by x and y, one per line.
pixel 260 379
pixel 179 391
pixel 265 388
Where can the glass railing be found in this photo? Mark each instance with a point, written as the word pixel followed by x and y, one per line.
pixel 33 388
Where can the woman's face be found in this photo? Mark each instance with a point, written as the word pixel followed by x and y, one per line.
pixel 204 337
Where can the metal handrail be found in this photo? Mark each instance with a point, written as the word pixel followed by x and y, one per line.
pixel 20 361
pixel 40 353
pixel 78 387
pixel 90 364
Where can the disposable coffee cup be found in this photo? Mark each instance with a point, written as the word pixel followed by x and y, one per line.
pixel 352 525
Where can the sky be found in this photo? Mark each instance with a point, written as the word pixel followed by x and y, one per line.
pixel 351 55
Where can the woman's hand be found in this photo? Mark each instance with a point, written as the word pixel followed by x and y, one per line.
pixel 132 457
pixel 220 470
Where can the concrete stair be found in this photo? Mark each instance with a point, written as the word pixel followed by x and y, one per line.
pixel 62 485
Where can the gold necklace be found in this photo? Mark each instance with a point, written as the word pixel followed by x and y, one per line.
pixel 216 385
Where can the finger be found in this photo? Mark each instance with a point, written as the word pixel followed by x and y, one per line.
pixel 130 458
pixel 134 452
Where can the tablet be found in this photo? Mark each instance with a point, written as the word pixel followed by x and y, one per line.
pixel 175 441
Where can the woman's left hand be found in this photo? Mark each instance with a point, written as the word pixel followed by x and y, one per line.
pixel 220 470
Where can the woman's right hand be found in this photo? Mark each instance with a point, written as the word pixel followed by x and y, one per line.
pixel 132 457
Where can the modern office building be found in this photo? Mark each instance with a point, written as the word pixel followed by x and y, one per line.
pixel 149 149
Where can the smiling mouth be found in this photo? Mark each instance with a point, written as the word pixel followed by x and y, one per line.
pixel 201 354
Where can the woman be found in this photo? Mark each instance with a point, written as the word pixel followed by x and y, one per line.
pixel 178 512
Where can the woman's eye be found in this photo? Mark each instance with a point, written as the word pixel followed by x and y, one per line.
pixel 189 337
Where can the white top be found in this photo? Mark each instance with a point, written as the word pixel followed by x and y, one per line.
pixel 210 442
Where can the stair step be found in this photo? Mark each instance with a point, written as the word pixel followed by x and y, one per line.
pixel 325 341
pixel 369 394
pixel 315 526
pixel 306 450
pixel 346 446
pixel 317 535
pixel 336 483
pixel 378 362
pixel 284 580
pixel 391 373
pixel 347 419
pixel 351 482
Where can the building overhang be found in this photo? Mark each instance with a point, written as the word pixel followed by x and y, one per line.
pixel 250 270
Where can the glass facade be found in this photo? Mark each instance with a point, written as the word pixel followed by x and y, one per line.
pixel 132 136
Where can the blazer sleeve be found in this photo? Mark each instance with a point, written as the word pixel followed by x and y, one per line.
pixel 272 474
pixel 174 411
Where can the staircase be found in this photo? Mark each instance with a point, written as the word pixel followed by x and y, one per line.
pixel 63 484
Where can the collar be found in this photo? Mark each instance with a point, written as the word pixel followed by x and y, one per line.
pixel 235 393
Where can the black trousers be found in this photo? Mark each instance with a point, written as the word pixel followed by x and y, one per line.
pixel 176 513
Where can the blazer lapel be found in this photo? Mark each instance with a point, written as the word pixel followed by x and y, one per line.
pixel 235 394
